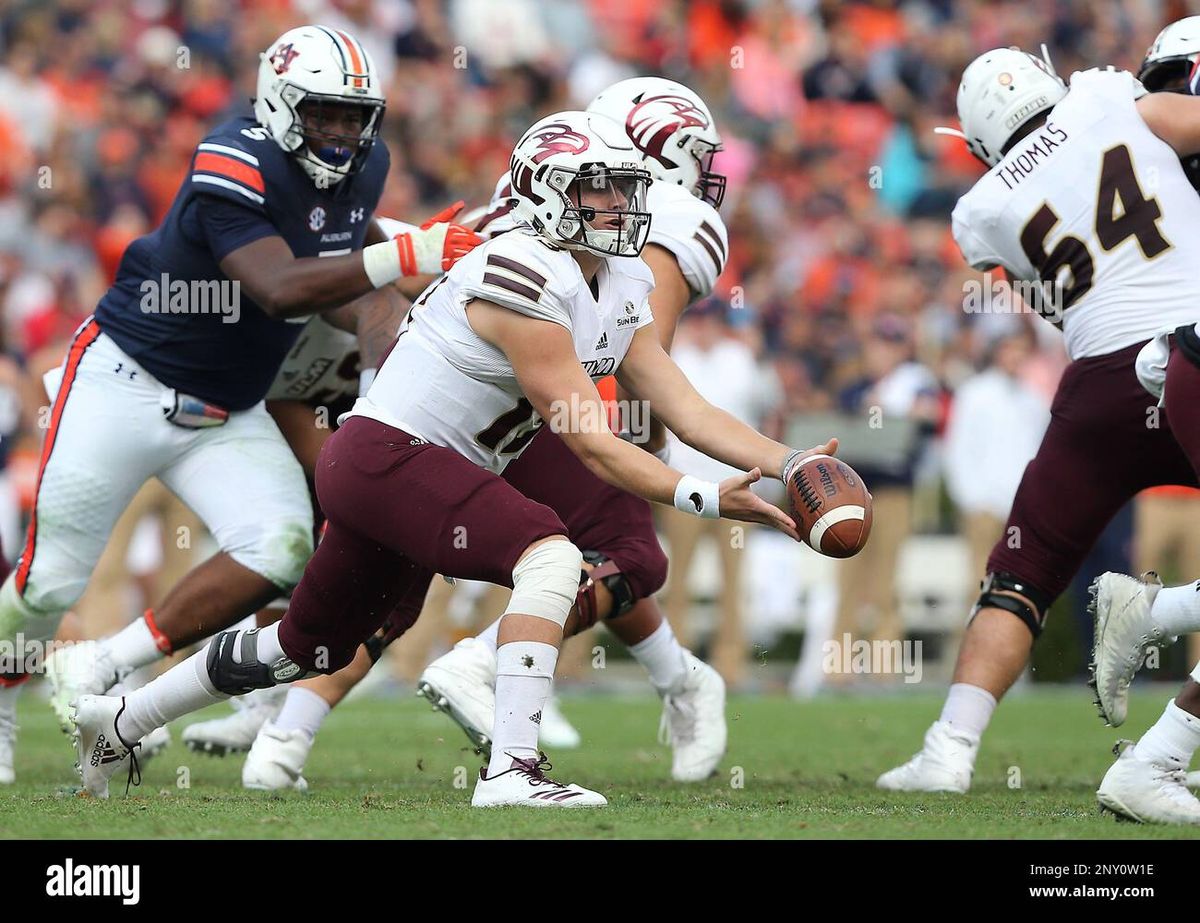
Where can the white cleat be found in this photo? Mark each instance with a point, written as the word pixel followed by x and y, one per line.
pixel 99 748
pixel 945 764
pixel 1124 631
pixel 526 785
pixel 276 761
pixel 462 683
pixel 75 670
pixel 236 733
pixel 555 731
pixel 8 746
pixel 693 722
pixel 1146 792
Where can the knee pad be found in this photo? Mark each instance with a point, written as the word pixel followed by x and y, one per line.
pixel 545 582
pixel 1188 343
pixel 996 592
pixel 607 572
pixel 278 552
pixel 237 677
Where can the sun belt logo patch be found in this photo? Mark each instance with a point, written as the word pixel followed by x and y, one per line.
pixel 652 121
pixel 558 138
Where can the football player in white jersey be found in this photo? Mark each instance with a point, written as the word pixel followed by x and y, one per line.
pixel 686 250
pixel 1086 199
pixel 320 377
pixel 512 337
pixel 1133 615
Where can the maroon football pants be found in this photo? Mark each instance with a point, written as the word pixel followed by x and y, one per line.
pixel 399 510
pixel 1106 442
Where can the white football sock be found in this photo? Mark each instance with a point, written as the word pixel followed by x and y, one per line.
pixel 524 675
pixel 662 656
pixel 1172 740
pixel 186 688
pixel 1176 609
pixel 183 689
pixel 8 698
pixel 491 635
pixel 133 646
pixel 968 708
pixel 303 710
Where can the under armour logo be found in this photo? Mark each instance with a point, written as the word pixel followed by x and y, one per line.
pixel 357 215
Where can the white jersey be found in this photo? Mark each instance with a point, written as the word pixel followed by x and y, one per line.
pixel 689 228
pixel 322 365
pixel 447 385
pixel 692 231
pixel 1094 200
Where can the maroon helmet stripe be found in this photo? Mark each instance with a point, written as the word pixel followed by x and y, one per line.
pixel 716 238
pixel 513 266
pixel 504 282
pixel 709 247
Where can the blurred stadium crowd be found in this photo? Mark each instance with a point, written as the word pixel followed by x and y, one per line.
pixel 844 288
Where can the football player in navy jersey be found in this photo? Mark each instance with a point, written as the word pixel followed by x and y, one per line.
pixel 273 223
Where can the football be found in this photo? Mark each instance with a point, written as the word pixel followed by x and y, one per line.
pixel 831 506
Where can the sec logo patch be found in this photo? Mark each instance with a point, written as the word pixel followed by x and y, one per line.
pixel 316 218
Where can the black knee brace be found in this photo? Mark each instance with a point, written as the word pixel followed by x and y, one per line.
pixel 604 570
pixel 996 591
pixel 239 677
pixel 1188 343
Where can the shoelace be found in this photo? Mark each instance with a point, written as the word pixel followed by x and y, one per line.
pixel 134 768
pixel 536 769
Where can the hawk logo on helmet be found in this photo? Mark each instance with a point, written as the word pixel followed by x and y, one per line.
pixel 557 138
pixel 652 121
pixel 283 57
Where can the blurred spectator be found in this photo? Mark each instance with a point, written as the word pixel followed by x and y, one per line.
pixel 893 392
pixel 996 425
pixel 724 370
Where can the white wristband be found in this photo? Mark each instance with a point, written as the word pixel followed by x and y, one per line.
pixel 365 378
pixel 700 498
pixel 381 262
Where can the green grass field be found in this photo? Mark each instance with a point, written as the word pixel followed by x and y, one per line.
pixel 387 767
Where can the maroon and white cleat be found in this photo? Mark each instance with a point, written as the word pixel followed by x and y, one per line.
pixel 527 785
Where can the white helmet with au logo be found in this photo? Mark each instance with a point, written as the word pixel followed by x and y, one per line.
pixel 579 182
pixel 672 127
pixel 319 96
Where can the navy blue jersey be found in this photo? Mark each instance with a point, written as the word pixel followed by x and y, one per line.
pixel 174 311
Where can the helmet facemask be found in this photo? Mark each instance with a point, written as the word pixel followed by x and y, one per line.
pixel 604 208
pixel 710 186
pixel 319 139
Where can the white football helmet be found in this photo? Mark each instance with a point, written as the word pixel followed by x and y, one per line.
pixel 579 182
pixel 1001 90
pixel 311 72
pixel 672 127
pixel 1169 60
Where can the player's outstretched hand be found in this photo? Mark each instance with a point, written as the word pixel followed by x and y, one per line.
pixel 738 501
pixel 437 245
